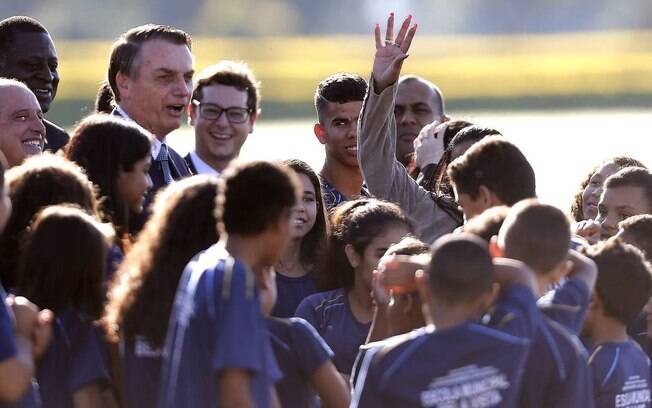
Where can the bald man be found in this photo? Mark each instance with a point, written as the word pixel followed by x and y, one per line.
pixel 22 132
pixel 418 103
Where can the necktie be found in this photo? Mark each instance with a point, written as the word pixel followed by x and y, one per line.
pixel 164 158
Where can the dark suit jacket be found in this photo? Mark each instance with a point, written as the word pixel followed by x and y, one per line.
pixel 55 137
pixel 190 164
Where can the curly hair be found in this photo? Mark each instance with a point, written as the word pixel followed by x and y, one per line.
pixel 356 223
pixel 142 293
pixel 39 182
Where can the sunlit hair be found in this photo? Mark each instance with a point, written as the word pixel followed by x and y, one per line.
pixel 63 263
pixel 339 88
pixel 409 245
pixel 487 224
pixel 620 161
pixel 639 229
pixel 141 296
pixel 40 181
pixel 633 177
pixel 230 73
pixel 355 223
pixel 314 242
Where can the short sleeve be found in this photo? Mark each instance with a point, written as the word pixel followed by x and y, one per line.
pixel 568 305
pixel 239 332
pixel 306 311
pixel 515 311
pixel 87 358
pixel 311 349
pixel 7 339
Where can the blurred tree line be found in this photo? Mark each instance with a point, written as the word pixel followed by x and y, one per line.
pixel 106 18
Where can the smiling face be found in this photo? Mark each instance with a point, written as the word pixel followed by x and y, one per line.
pixel 415 107
pixel 32 59
pixel 593 190
pixel 618 204
pixel 21 124
pixel 304 213
pixel 158 94
pixel 134 184
pixel 217 142
pixel 338 132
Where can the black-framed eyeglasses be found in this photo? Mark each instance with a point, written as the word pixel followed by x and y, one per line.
pixel 213 111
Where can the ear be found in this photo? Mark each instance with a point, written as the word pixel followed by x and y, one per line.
pixel 123 82
pixel 192 114
pixel 422 281
pixel 488 298
pixel 320 133
pixel 253 117
pixel 352 255
pixel 494 249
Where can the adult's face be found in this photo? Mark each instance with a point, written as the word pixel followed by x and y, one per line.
pixel 339 132
pixel 21 124
pixel 218 141
pixel 32 59
pixel 415 107
pixel 157 96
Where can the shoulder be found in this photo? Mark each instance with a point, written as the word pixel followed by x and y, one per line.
pixel 55 135
pixel 51 127
pixel 322 301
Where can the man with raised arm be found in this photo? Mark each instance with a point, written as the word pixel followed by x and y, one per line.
pixel 386 177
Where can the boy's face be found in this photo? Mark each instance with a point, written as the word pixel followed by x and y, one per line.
pixel 338 132
pixel 470 206
pixel 618 204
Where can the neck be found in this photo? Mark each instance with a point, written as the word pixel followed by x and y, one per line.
pixel 446 316
pixel 361 302
pixel 346 179
pixel 290 262
pixel 216 163
pixel 244 249
pixel 607 330
pixel 158 133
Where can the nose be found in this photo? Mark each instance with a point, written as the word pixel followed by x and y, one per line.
pixel 182 87
pixel 36 125
pixel 45 74
pixel 407 117
pixel 597 192
pixel 150 184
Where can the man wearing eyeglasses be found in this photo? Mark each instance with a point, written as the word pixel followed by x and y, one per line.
pixel 223 111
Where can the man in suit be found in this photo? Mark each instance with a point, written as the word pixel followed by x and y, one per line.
pixel 27 54
pixel 223 111
pixel 150 73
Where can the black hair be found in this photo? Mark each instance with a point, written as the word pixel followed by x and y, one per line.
pixel 104 99
pixel 639 229
pixel 9 27
pixel 633 177
pixel 339 88
pixel 487 224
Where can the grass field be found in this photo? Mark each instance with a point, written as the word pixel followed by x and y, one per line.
pixel 481 69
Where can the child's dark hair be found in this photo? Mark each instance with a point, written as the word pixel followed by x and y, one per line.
pixel 620 161
pixel 356 223
pixel 633 177
pixel 498 165
pixel 339 88
pixel 624 283
pixel 313 244
pixel 639 228
pixel 254 195
pixel 487 224
pixel 460 269
pixel 409 245
pixel 63 263
pixel 37 183
pixel 104 99
pixel 182 224
pixel 536 234
pixel 103 146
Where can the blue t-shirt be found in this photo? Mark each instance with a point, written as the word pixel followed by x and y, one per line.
pixel 467 365
pixel 76 357
pixel 299 351
pixel 216 324
pixel 141 372
pixel 621 375
pixel 567 304
pixel 330 314
pixel 290 293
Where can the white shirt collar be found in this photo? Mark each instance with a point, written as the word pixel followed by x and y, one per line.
pixel 201 166
pixel 154 141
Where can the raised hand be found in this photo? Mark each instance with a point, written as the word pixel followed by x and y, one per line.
pixel 429 144
pixel 391 52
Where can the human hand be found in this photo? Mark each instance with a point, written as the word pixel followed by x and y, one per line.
pixel 429 144
pixel 397 272
pixel 379 293
pixel 588 229
pixel 391 52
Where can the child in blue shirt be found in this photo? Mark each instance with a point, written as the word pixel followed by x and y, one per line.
pixel 62 268
pixel 621 370
pixel 217 350
pixel 455 360
pixel 361 232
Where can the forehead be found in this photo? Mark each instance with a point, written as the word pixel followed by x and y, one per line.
pixel 305 183
pixel 26 44
pixel 347 110
pixel 15 98
pixel 412 92
pixel 392 234
pixel 607 170
pixel 158 54
pixel 224 95
pixel 626 196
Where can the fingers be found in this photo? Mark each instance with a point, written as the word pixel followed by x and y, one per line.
pixel 379 43
pixel 389 34
pixel 405 44
pixel 398 61
pixel 400 37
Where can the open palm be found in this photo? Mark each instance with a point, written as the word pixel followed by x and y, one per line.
pixel 391 52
